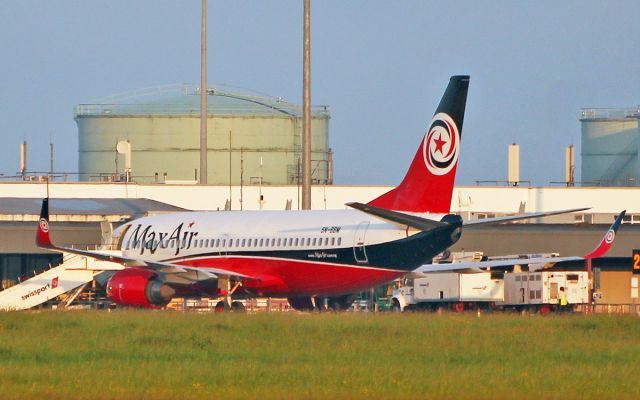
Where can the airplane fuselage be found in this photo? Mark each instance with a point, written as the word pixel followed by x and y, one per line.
pixel 292 253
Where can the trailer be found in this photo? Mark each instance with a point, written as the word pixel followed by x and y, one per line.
pixel 450 290
pixel 534 291
pixel 540 290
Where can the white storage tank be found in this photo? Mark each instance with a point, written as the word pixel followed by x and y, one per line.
pixel 252 139
pixel 610 141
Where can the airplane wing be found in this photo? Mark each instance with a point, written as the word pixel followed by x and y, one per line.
pixel 600 250
pixel 178 274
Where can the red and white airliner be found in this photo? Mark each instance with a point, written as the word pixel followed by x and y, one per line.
pixel 301 255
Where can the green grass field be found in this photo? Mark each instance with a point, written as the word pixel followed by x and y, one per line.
pixel 170 355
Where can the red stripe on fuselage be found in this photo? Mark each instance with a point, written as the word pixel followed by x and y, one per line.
pixel 298 278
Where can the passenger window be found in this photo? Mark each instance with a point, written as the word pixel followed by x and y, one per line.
pixel 244 242
pixel 333 241
pixel 262 241
pixel 339 241
pixel 308 242
pixel 313 242
pixel 291 241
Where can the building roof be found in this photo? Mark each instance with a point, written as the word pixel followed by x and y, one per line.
pixel 81 210
pixel 185 100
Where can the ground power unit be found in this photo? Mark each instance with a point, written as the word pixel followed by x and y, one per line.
pixel 540 290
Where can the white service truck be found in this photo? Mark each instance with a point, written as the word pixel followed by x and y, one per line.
pixel 450 290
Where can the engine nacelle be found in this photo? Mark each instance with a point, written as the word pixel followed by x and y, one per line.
pixel 138 287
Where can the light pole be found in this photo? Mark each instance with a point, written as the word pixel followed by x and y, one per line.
pixel 203 96
pixel 306 114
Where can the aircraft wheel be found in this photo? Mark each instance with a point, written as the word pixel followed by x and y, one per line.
pixel 544 310
pixel 222 306
pixel 237 306
pixel 458 307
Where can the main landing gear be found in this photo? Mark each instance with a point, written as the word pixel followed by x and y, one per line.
pixel 235 306
pixel 224 287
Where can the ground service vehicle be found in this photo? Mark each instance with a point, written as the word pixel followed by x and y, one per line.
pixel 451 290
pixel 540 290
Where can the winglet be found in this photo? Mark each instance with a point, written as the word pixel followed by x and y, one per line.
pixel 42 237
pixel 607 240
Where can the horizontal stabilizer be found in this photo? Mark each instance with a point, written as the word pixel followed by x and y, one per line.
pixel 509 218
pixel 413 221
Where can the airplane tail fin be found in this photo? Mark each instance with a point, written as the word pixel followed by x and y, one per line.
pixel 607 240
pixel 428 184
pixel 42 236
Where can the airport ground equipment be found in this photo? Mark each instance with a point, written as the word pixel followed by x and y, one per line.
pixel 540 290
pixel 74 272
pixel 535 291
pixel 451 290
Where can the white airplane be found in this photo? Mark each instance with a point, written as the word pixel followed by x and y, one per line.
pixel 301 255
pixel 480 266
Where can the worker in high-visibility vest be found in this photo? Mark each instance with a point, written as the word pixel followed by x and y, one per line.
pixel 564 304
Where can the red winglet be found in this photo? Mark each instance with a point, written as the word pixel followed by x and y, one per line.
pixel 607 240
pixel 42 237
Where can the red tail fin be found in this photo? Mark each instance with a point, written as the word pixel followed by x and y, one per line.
pixel 42 237
pixel 428 184
pixel 607 240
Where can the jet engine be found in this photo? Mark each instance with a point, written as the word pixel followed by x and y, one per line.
pixel 139 287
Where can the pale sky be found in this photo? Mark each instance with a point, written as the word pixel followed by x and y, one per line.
pixel 381 66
